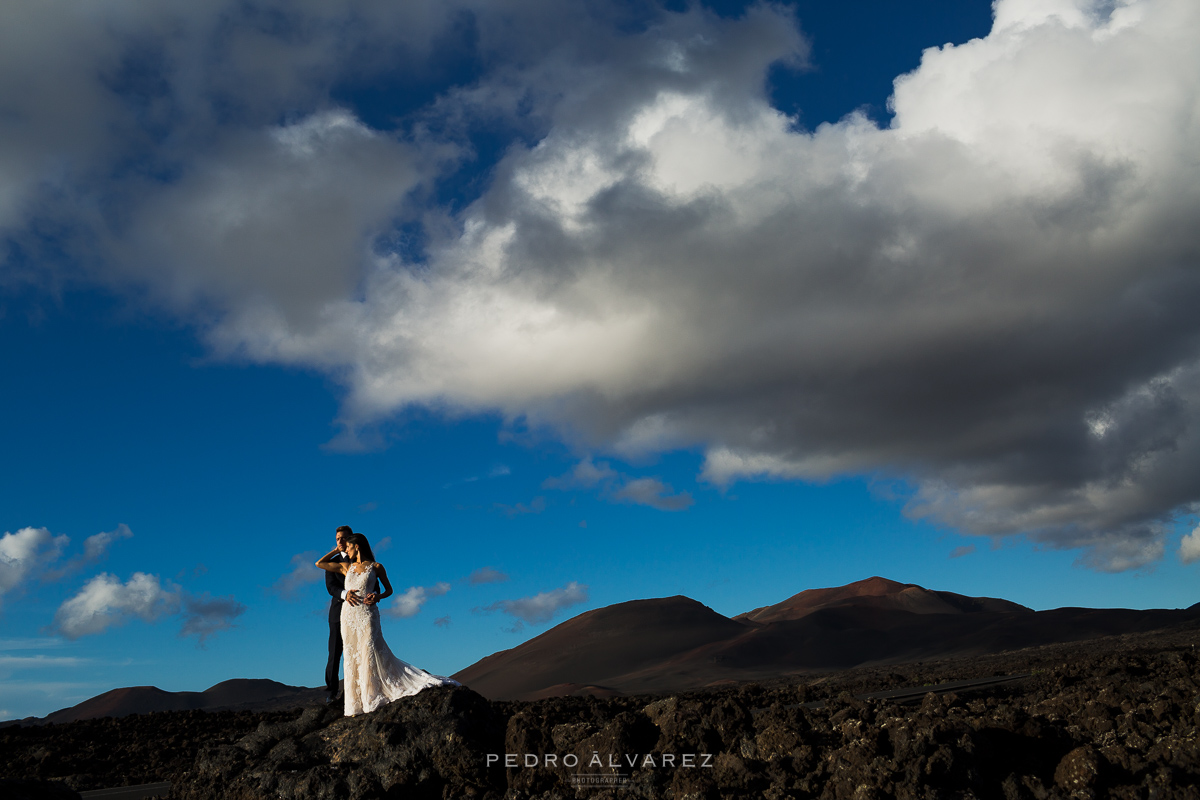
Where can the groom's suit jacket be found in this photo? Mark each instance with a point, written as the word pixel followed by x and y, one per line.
pixel 335 583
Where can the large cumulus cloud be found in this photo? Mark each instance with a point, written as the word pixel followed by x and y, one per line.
pixel 991 298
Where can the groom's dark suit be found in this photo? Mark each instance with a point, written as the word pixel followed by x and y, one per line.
pixel 335 584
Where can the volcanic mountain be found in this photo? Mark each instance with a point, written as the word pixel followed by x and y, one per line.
pixel 239 693
pixel 596 646
pixel 672 644
pixel 883 594
pixel 675 643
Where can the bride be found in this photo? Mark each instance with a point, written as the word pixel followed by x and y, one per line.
pixel 374 677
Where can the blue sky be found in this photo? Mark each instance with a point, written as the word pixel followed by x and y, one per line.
pixel 564 308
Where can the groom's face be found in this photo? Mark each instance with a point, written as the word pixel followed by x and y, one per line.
pixel 341 541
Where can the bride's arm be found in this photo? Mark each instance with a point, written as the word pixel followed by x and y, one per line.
pixel 383 578
pixel 325 564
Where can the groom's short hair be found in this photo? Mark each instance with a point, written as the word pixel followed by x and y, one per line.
pixel 344 529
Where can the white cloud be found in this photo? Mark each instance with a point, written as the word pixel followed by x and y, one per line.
pixel 32 554
pixel 722 465
pixel 619 487
pixel 992 298
pixel 1189 547
pixel 24 553
pixel 542 606
pixel 654 493
pixel 409 604
pixel 95 547
pixel 104 601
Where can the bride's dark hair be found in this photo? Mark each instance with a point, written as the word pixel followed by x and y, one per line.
pixel 364 546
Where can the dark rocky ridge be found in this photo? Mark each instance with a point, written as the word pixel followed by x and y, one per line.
pixel 1111 717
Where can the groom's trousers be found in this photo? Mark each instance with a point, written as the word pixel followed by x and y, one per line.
pixel 335 646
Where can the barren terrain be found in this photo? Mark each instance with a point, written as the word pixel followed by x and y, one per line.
pixel 1110 717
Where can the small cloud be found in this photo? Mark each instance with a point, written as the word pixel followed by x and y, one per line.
pixel 194 572
pixel 486 575
pixel 583 523
pixel 442 622
pixel 383 544
pixel 39 662
pixel 722 466
pixel 536 506
pixel 619 487
pixel 1122 554
pixel 409 604
pixel 302 574
pixel 365 507
pixel 965 550
pixel 104 602
pixel 654 493
pixel 96 547
pixel 541 607
pixel 583 475
pixel 498 471
pixel 39 643
pixel 355 439
pixel 1189 547
pixel 21 551
pixel 205 615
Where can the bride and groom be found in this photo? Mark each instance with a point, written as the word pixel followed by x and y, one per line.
pixel 374 677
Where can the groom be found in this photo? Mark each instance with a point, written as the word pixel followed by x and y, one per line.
pixel 335 584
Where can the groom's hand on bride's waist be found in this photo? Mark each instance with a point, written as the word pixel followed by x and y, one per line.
pixel 352 597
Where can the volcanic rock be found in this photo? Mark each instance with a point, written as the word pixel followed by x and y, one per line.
pixel 428 745
pixel 26 789
pixel 1110 717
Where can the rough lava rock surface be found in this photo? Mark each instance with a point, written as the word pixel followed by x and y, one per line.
pixel 1107 718
pixel 428 745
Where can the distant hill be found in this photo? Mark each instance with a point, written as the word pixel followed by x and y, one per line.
pixel 880 593
pixel 239 693
pixel 671 644
pixel 675 643
pixel 599 644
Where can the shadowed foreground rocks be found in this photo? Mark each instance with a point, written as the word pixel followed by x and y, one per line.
pixel 431 745
pixel 121 751
pixel 1107 718
pixel 30 789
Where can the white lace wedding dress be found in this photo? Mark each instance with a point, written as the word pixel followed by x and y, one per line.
pixel 374 677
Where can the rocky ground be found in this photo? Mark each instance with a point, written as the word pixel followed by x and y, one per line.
pixel 1109 718
pixel 126 751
